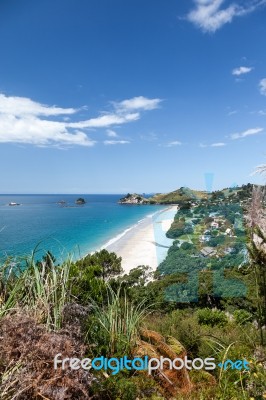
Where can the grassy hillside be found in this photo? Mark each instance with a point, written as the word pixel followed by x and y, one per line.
pixel 184 194
pixel 179 195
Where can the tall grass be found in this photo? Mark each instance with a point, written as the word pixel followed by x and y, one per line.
pixel 41 288
pixel 118 322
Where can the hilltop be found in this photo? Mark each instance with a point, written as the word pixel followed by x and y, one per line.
pixel 180 195
pixel 184 195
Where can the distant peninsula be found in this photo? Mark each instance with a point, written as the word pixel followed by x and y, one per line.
pixel 175 197
pixel 134 199
pixel 185 196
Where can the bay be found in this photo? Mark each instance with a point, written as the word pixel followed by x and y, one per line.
pixel 40 223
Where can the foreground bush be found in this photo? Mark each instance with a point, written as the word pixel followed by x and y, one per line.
pixel 27 370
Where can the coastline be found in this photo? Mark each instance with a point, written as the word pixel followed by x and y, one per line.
pixel 145 243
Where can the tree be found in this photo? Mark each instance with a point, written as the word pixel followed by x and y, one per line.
pixel 186 246
pixel 109 264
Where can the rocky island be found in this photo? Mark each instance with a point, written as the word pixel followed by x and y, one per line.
pixel 80 201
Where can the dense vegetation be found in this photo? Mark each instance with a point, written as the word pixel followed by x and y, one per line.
pixel 195 304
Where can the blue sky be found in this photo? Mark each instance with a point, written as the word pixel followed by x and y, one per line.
pixel 100 96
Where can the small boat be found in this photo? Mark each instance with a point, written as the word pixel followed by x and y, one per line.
pixel 14 204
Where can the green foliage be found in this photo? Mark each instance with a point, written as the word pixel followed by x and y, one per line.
pixel 86 283
pixel 196 221
pixel 127 387
pixel 177 228
pixel 120 388
pixel 242 317
pixel 180 196
pixel 113 327
pixel 137 277
pixel 109 264
pixel 89 275
pixel 41 287
pixel 254 380
pixel 211 317
pixel 186 246
pixel 185 272
pixel 216 241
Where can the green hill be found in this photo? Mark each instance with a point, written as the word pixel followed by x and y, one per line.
pixel 184 195
pixel 178 196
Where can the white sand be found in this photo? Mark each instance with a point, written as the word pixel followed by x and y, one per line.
pixel 146 243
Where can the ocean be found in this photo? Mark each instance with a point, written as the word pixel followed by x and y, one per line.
pixel 40 223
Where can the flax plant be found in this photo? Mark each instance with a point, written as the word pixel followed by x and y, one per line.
pixel 41 289
pixel 119 321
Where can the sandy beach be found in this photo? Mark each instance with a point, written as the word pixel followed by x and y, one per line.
pixel 145 243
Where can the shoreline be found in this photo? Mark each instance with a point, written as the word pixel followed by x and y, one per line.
pixel 145 243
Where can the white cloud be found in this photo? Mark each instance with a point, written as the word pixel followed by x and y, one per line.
pixel 248 132
pixel 105 120
pixel 172 144
pixel 36 131
pixel 138 103
pixel 232 112
pixel 112 142
pixel 241 71
pixel 262 86
pixel 23 120
pixel 208 15
pixel 111 133
pixel 21 106
pixel 219 144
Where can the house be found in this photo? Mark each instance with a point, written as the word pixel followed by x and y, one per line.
pixel 228 231
pixel 214 225
pixel 208 252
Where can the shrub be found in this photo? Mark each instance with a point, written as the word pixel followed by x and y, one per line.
pixel 208 316
pixel 186 246
pixel 27 352
pixel 117 387
pixel 242 317
pixel 196 221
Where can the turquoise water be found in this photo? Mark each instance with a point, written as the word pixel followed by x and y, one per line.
pixel 78 230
